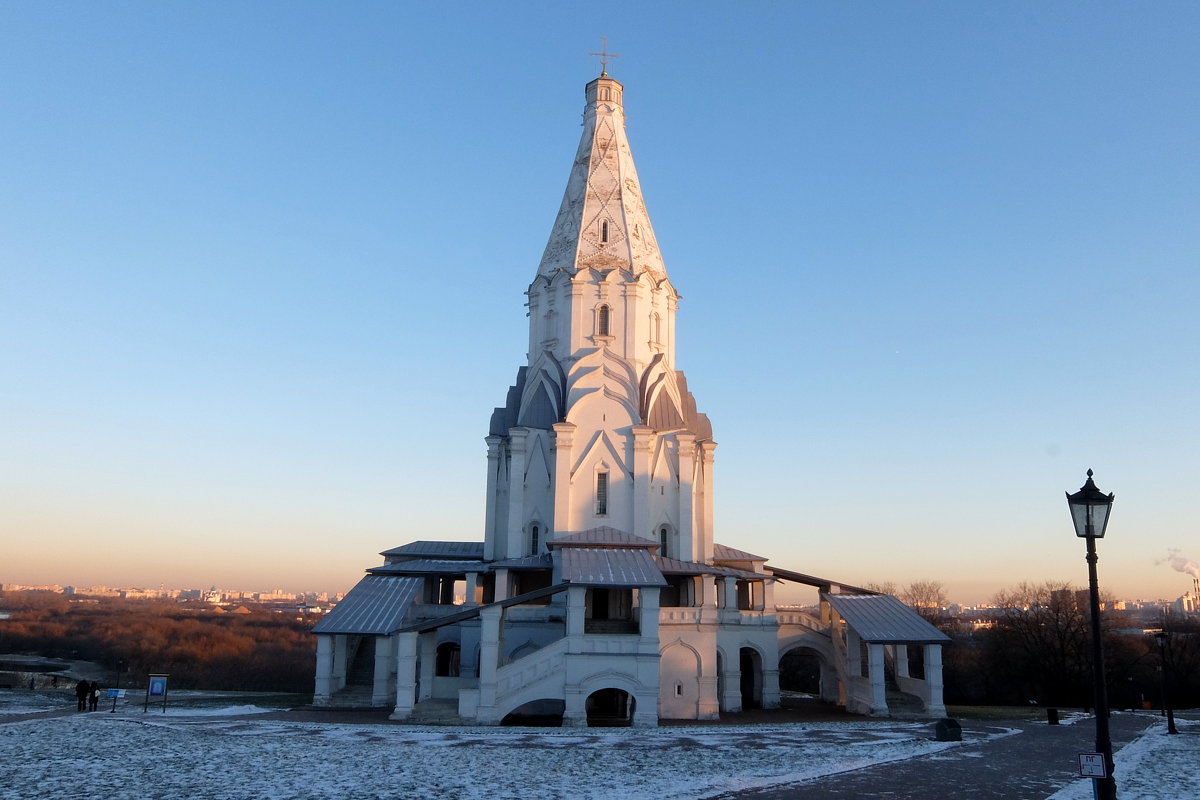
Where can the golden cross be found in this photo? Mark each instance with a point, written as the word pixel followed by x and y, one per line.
pixel 604 56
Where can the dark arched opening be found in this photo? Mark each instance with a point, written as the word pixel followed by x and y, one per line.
pixel 537 714
pixel 609 708
pixel 800 672
pixel 750 663
pixel 447 662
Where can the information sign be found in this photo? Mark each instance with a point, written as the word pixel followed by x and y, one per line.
pixel 1091 765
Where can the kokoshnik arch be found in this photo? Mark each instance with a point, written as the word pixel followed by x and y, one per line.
pixel 598 594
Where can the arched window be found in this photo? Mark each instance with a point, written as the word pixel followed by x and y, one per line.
pixel 604 232
pixel 448 654
pixel 601 493
pixel 533 540
pixel 602 321
pixel 663 533
pixel 655 328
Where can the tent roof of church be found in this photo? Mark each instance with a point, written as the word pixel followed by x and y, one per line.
pixel 376 605
pixel 602 223
pixel 722 552
pixel 426 549
pixel 603 536
pixel 672 566
pixel 609 566
pixel 427 565
pixel 882 618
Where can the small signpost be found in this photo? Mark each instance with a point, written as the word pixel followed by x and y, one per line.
pixel 1091 765
pixel 156 688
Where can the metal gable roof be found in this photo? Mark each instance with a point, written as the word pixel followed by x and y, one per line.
pixel 673 566
pixel 610 567
pixel 543 561
pixel 429 565
pixel 428 549
pixel 376 605
pixel 604 536
pixel 882 618
pixel 723 552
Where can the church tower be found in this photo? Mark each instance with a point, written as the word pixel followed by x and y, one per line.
pixel 599 429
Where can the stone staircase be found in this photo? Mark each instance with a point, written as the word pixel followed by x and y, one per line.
pixel 435 712
pixel 351 697
pixel 902 705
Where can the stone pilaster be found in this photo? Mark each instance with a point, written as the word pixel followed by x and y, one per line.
pixel 563 444
pixel 643 442
pixel 493 541
pixel 518 439
pixel 689 549
pixel 406 675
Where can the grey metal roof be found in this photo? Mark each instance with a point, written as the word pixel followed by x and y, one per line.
pixel 543 561
pixel 428 565
pixel 723 552
pixel 671 566
pixel 610 567
pixel 603 536
pixel 427 549
pixel 882 618
pixel 376 605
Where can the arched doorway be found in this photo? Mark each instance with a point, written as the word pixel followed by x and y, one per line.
pixel 361 669
pixel 721 682
pixel 537 713
pixel 447 663
pixel 609 708
pixel 750 664
pixel 800 672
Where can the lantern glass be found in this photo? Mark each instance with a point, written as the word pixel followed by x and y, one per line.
pixel 1090 509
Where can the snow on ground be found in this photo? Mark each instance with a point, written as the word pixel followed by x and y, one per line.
pixel 132 754
pixel 1155 766
pixel 228 753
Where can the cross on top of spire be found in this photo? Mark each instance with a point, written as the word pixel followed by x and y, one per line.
pixel 604 56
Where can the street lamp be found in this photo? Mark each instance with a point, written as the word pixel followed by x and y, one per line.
pixel 1164 641
pixel 1090 511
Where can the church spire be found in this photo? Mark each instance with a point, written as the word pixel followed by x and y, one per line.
pixel 602 223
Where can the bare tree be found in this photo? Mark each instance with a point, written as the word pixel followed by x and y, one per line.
pixel 927 597
pixel 883 587
pixel 1041 642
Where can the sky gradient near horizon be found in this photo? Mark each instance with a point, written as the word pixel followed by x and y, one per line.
pixel 262 268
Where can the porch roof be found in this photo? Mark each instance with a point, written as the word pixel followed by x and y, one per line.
pixel 883 619
pixel 430 565
pixel 610 567
pixel 604 536
pixel 673 566
pixel 376 606
pixel 472 551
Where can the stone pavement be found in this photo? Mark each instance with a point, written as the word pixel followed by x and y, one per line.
pixel 1030 765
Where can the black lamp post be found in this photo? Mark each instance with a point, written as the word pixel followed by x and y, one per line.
pixel 1164 642
pixel 1089 511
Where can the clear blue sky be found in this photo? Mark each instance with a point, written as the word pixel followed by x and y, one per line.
pixel 262 266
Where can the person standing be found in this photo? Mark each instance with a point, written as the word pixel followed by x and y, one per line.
pixel 94 696
pixel 81 695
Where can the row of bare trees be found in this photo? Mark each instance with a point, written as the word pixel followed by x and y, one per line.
pixel 1034 647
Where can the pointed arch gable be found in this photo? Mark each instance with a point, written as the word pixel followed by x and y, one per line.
pixel 539 410
pixel 600 446
pixel 665 464
pixel 537 465
pixel 664 415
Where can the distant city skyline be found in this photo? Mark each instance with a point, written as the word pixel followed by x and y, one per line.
pixel 263 269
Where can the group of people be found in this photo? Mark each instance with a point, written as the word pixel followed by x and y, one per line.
pixel 88 695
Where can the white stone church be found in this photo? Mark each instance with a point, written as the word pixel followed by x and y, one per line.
pixel 598 595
